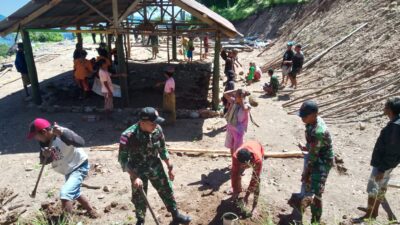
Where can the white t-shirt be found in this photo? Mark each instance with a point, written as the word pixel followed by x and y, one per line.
pixel 66 156
pixel 105 76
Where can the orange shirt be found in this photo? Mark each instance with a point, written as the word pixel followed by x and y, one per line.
pixel 83 68
pixel 257 151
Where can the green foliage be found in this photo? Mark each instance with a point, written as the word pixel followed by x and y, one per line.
pixel 46 37
pixel 3 50
pixel 241 9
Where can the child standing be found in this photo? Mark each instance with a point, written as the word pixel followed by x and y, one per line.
pixel 61 147
pixel 250 75
pixel 82 70
pixel 190 50
pixel 106 86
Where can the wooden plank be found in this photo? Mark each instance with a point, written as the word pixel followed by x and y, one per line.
pixel 31 17
pixel 96 10
pixel 128 11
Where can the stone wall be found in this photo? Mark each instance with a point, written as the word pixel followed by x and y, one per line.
pixel 192 84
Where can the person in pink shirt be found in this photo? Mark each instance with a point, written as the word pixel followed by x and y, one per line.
pixel 106 86
pixel 237 118
pixel 169 102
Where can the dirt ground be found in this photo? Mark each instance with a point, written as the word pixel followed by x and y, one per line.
pixel 200 181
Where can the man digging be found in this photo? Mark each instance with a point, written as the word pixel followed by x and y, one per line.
pixel 250 154
pixel 320 159
pixel 60 146
pixel 142 147
pixel 385 157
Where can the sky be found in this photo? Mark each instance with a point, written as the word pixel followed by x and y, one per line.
pixel 10 6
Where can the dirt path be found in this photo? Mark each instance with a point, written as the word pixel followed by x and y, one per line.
pixel 200 182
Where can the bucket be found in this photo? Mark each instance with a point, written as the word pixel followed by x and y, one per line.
pixel 230 219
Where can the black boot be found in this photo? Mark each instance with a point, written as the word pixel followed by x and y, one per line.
pixel 140 222
pixel 179 218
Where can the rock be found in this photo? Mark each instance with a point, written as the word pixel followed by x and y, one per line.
pixel 28 169
pixel 124 207
pixel 88 109
pixel 361 126
pixel 45 205
pixel 114 204
pixel 194 115
pixel 206 113
pixel 344 217
pixel 101 197
pixel 107 209
pixel 106 189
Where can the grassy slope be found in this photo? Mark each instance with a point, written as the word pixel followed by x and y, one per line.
pixel 245 8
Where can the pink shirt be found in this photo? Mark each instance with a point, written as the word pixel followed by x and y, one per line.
pixel 169 85
pixel 105 76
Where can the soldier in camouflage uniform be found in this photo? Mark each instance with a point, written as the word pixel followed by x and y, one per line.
pixel 320 161
pixel 142 147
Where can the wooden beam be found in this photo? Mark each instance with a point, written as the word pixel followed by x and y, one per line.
pixel 88 12
pixel 215 82
pixel 30 63
pixel 31 17
pixel 96 10
pixel 174 45
pixel 128 11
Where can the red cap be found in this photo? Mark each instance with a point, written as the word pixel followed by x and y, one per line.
pixel 37 125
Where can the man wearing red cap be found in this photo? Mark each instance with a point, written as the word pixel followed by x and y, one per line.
pixel 61 147
pixel 250 154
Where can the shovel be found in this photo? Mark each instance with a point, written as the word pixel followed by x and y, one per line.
pixel 33 194
pixel 148 205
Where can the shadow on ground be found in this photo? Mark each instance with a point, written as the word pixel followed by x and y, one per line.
pixel 16 114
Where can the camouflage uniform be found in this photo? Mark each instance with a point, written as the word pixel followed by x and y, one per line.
pixel 319 145
pixel 140 152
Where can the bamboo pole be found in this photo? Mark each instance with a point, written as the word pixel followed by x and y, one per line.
pixel 313 60
pixel 360 97
pixel 221 152
pixel 345 109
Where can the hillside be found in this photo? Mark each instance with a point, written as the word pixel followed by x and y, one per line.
pixel 351 81
pixel 235 10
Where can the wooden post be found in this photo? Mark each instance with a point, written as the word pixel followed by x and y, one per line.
pixel 30 63
pixel 169 60
pixel 174 52
pixel 122 67
pixel 79 36
pixel 128 40
pixel 174 55
pixel 201 48
pixel 215 84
